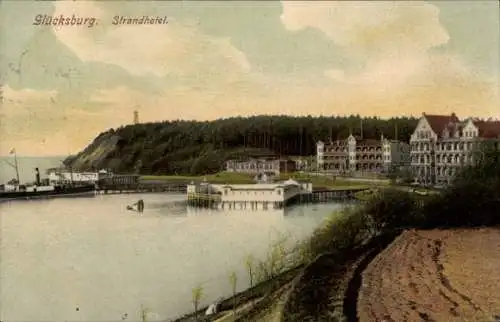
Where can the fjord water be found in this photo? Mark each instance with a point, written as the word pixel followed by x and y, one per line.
pixel 89 259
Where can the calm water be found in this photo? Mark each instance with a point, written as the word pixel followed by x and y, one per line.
pixel 88 259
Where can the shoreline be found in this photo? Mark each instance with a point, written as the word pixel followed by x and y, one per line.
pixel 251 294
pixel 294 288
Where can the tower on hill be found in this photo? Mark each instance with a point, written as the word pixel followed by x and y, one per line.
pixel 136 117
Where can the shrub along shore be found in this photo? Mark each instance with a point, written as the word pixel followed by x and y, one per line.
pixel 329 263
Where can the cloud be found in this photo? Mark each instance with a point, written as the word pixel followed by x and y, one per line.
pixel 370 29
pixel 44 122
pixel 433 83
pixel 335 74
pixel 159 50
pixel 180 103
pixel 24 103
pixel 399 70
pixel 416 70
pixel 196 76
pixel 11 96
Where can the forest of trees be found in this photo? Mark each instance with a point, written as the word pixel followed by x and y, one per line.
pixel 190 147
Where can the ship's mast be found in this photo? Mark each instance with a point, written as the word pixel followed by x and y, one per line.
pixel 17 168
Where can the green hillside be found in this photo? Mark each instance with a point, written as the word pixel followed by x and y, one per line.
pixel 195 148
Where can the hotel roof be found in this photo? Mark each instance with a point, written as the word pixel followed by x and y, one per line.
pixel 488 129
pixel 439 122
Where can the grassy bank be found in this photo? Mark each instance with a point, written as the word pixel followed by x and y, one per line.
pixel 244 178
pixel 221 177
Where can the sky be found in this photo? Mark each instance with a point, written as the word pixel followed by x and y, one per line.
pixel 63 85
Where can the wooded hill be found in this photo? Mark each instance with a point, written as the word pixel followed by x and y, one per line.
pixel 191 147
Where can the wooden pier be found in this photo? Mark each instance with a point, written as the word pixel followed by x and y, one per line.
pixel 140 188
pixel 329 195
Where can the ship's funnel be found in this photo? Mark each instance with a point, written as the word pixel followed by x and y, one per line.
pixel 37 176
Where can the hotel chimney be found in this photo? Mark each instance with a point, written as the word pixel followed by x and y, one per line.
pixel 37 176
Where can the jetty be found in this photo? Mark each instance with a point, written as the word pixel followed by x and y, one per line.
pixel 131 183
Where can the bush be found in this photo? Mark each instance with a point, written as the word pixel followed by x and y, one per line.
pixel 469 204
pixel 393 209
pixel 349 228
pixel 473 199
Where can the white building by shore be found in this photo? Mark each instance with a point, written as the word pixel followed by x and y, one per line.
pixel 57 176
pixel 257 196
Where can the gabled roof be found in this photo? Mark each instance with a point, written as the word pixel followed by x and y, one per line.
pixel 455 127
pixel 488 129
pixel 439 122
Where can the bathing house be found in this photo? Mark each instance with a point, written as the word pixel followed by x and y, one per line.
pixel 257 196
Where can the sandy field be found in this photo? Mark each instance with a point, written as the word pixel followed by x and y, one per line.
pixel 436 275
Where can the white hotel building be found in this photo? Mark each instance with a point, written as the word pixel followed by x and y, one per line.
pixel 441 144
pixel 358 156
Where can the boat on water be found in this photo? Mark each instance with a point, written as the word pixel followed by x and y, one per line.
pixel 138 206
pixel 40 189
pixel 51 191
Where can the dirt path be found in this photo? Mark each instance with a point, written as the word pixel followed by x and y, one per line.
pixel 274 313
pixel 230 315
pixel 449 275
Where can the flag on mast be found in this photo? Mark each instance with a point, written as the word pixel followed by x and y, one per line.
pixel 12 151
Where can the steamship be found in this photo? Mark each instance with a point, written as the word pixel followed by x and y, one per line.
pixel 13 190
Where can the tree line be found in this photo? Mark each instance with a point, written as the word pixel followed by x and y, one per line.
pixel 193 147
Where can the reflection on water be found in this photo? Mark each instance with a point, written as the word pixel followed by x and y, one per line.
pixel 94 260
